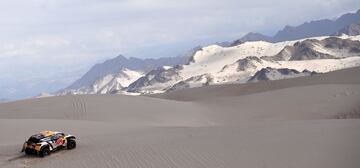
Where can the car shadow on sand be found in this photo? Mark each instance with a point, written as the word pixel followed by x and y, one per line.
pixel 27 160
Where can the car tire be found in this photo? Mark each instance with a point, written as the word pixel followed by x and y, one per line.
pixel 71 144
pixel 28 152
pixel 44 152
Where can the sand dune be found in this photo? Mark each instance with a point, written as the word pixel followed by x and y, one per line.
pixel 125 110
pixel 287 123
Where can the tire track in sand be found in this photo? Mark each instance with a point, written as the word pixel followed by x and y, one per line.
pixel 79 107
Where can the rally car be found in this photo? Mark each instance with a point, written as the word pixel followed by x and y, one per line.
pixel 45 142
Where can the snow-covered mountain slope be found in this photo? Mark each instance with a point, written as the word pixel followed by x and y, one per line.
pixel 117 73
pixel 121 80
pixel 217 65
pixel 107 84
pixel 329 48
pixel 43 94
pixel 155 80
pixel 195 81
pixel 115 65
pixel 269 73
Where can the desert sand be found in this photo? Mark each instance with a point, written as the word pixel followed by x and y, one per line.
pixel 310 122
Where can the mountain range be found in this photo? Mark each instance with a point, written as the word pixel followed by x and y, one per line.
pixel 324 27
pixel 117 73
pixel 352 30
pixel 238 64
pixel 313 47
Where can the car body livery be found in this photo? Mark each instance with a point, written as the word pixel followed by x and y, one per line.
pixel 47 141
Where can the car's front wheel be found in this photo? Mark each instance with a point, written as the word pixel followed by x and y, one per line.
pixel 71 144
pixel 44 152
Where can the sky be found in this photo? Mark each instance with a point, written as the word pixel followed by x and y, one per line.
pixel 45 45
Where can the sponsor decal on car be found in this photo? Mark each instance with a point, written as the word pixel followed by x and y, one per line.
pixel 59 141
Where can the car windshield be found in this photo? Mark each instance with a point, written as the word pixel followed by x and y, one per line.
pixel 36 138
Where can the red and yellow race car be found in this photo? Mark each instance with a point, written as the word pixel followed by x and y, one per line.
pixel 45 142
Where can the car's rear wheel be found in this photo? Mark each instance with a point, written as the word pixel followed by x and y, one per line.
pixel 28 151
pixel 71 144
pixel 44 152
